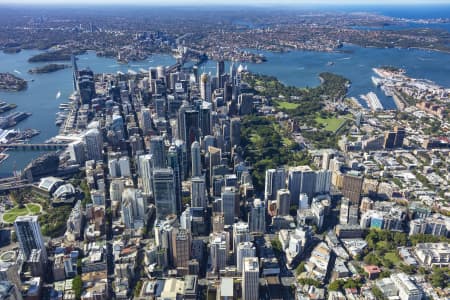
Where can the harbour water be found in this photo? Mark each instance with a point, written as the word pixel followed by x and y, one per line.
pixel 299 68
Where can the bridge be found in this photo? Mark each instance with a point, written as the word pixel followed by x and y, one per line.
pixel 34 147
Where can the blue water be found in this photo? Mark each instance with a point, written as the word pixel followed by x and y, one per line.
pixel 299 68
pixel 40 97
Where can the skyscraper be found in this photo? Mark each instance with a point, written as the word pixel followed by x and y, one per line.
pixel 275 180
pixel 205 87
pixel 196 159
pixel 257 218
pixel 220 72
pixel 205 118
pixel 28 233
pixel 243 250
pixel 94 144
pixel 146 121
pixel 145 172
pixel 352 187
pixel 241 234
pixel 174 163
pixel 164 192
pixel 283 202
pixel 399 136
pixel 228 204
pixel 219 245
pixel 250 279
pixel 158 151
pixel 301 179
pixel 181 247
pixel 235 134
pixel 198 192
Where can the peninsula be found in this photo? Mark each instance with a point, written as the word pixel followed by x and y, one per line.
pixel 12 83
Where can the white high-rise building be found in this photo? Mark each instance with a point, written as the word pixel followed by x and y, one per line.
pixel 28 233
pixel 145 172
pixel 133 207
pixel 275 180
pixel 244 250
pixel 250 279
pixel 124 166
pixel 219 245
pixel 198 192
pixel 94 144
pixel 116 189
pixel 283 202
pixel 257 218
pixel 196 159
pixel 241 234
pixel 228 204
pixel 113 167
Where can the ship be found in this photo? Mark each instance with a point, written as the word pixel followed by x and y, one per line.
pixel 58 94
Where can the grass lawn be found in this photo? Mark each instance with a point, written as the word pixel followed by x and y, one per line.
pixel 393 257
pixel 331 124
pixel 11 215
pixel 34 208
pixel 287 105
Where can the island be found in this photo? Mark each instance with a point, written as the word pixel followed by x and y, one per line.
pixel 11 83
pixel 57 55
pixel 49 68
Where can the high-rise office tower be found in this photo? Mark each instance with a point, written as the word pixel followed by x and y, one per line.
pixel 158 151
pixel 257 217
pixel 219 245
pixel 215 155
pixel 241 234
pixel 220 72
pixel 174 163
pixel 77 152
pixel 164 192
pixel 389 140
pixel 116 189
pixel 145 172
pixel 181 247
pixel 323 181
pixel 28 233
pixel 205 118
pixel 198 192
pixel 146 121
pixel 283 202
pixel 205 87
pixel 250 279
pixel 243 250
pixel 228 204
pixel 138 204
pixel 182 159
pixel 352 187
pixel 301 179
pixel 196 159
pixel 94 144
pixel 235 134
pixel 124 166
pixel 275 180
pixel 399 136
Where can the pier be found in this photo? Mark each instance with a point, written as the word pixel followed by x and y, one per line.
pixel 34 147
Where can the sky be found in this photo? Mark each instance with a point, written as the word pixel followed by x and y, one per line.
pixel 230 2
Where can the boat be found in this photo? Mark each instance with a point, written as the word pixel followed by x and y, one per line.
pixel 59 122
pixel 330 63
pixel 58 94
